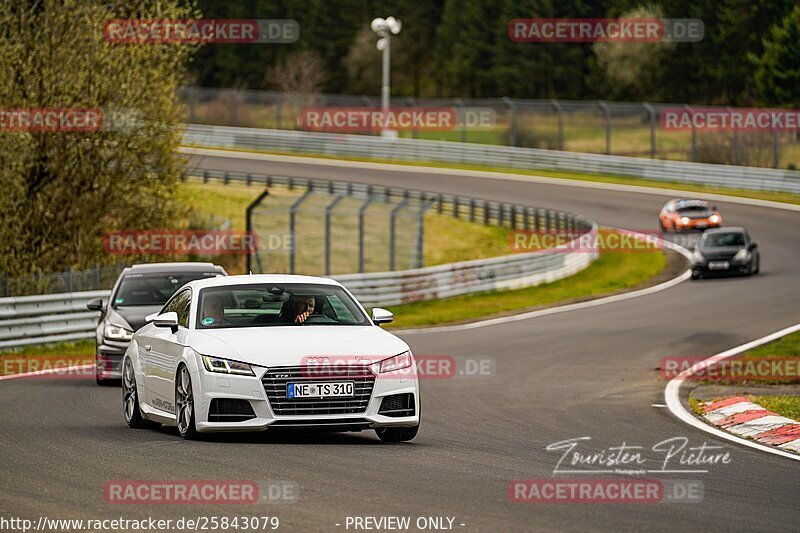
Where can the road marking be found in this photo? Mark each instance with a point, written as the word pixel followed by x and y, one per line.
pixel 321 161
pixel 570 307
pixel 674 404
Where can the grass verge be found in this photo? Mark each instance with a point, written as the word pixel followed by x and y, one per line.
pixel 601 178
pixel 612 272
pixel 32 358
pixel 752 370
pixel 788 406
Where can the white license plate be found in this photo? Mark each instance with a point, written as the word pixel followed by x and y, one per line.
pixel 718 265
pixel 701 225
pixel 319 390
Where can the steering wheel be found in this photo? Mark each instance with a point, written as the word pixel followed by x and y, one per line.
pixel 319 319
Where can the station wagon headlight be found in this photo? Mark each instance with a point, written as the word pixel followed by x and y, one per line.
pixel 398 362
pixel 741 255
pixel 117 333
pixel 226 366
pixel 684 220
pixel 714 219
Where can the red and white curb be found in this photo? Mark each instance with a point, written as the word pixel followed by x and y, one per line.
pixel 742 417
pixel 672 396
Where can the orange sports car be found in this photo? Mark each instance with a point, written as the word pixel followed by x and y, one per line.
pixel 680 215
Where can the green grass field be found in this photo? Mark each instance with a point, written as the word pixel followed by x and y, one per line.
pixel 612 272
pixel 445 239
pixel 788 406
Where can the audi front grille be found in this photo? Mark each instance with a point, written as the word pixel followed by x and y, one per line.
pixel 276 379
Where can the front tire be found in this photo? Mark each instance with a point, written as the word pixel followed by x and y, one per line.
pixel 184 404
pixel 130 398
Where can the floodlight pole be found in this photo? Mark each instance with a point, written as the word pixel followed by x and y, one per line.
pixel 385 86
pixel 384 28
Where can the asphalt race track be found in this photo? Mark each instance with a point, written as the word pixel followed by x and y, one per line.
pixel 584 373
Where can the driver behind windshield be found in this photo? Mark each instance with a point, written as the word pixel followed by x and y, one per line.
pixel 297 309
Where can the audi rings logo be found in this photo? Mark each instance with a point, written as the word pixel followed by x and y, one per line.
pixel 318 360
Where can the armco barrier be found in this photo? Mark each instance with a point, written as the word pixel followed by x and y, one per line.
pixel 61 317
pixel 737 177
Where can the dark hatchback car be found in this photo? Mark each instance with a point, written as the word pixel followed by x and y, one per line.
pixel 139 291
pixel 723 251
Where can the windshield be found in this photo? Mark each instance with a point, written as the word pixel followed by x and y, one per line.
pixel 715 240
pixel 692 207
pixel 240 306
pixel 153 289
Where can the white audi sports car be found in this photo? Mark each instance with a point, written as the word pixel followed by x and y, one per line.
pixel 257 352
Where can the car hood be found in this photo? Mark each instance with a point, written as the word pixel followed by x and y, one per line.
pixel 131 316
pixel 720 252
pixel 289 345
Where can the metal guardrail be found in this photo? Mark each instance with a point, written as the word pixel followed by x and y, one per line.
pixel 590 126
pixel 738 177
pixel 30 320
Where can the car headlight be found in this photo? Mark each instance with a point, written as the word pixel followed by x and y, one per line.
pixel 714 219
pixel 117 333
pixel 684 220
pixel 698 256
pixel 741 255
pixel 398 362
pixel 226 366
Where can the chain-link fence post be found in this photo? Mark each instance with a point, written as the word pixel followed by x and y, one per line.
pixel 392 228
pixel 328 210
pixel 560 117
pixel 607 114
pixel 652 114
pixel 361 211
pixel 693 157
pixel 776 157
pixel 292 233
pixel 512 120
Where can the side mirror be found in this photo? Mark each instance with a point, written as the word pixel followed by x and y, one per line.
pixel 381 316
pixel 95 304
pixel 753 245
pixel 713 208
pixel 167 320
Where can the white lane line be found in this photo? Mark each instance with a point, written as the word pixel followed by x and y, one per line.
pixel 672 394
pixel 485 174
pixel 63 369
pixel 570 307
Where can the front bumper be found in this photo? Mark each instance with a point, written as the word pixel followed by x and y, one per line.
pixel 108 359
pixel 734 267
pixel 697 225
pixel 251 389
